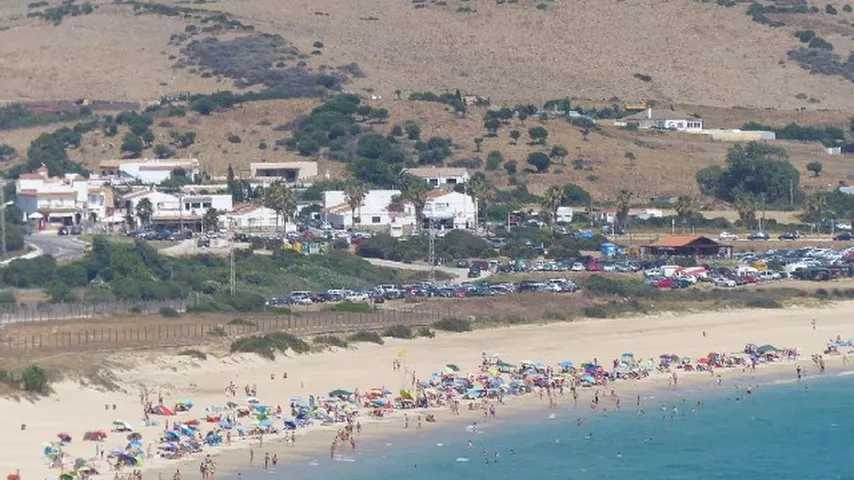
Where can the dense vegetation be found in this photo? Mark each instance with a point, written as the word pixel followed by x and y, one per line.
pixel 455 245
pixel 828 136
pixel 137 272
pixel 756 172
pixel 21 116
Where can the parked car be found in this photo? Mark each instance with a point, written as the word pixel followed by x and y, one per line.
pixel 474 272
pixel 844 237
pixel 724 282
pixel 727 237
pixel 577 267
pixel 789 236
pixel 63 231
pixel 758 236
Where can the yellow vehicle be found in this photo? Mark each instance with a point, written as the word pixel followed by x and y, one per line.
pixel 641 105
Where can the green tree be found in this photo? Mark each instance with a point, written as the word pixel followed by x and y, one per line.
pixel 413 131
pixel 279 198
pixel 685 208
pixel 34 379
pixel 414 190
pixel 7 153
pixel 757 169
pixel 162 151
pixel 815 168
pixel 552 199
pixel 559 152
pixel 538 135
pixel 132 144
pixel 575 195
pixel 540 161
pixel 479 188
pixel 514 136
pixel 210 221
pixel 746 206
pixel 815 208
pixel 493 160
pixel 624 201
pixel 355 192
pixel 144 210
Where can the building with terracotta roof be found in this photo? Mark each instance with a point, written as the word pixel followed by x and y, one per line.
pixel 686 246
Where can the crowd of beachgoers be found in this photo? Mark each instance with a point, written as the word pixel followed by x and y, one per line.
pixel 190 431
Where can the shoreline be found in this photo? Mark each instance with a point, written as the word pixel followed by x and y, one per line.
pixel 76 408
pixel 387 432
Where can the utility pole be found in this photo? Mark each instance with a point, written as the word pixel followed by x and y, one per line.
pixel 232 277
pixel 431 254
pixel 2 219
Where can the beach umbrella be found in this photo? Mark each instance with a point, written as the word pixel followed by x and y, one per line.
pixel 64 437
pixel 766 349
pixel 566 364
pixel 252 400
pixel 453 367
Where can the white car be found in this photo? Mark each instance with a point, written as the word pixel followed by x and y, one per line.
pixel 357 297
pixel 724 282
pixel 728 237
pixel 577 267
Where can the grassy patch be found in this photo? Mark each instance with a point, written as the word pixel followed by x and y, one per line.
pixel 169 312
pixel 242 323
pixel 198 355
pixel 351 307
pixel 267 345
pixel 425 332
pixel 398 331
pixel 453 324
pixel 365 336
pixel 330 341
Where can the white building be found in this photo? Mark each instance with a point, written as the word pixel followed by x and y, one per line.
pixel 445 209
pixel 440 176
pixel 175 209
pixel 564 214
pixel 663 119
pixel 68 200
pixel 377 211
pixel 255 217
pixel 150 171
pixel 297 172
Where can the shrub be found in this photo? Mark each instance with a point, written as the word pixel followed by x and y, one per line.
pixel 398 331
pixel 351 307
pixel 331 341
pixel 425 332
pixel 169 312
pixel 242 322
pixel 365 336
pixel 553 315
pixel 453 324
pixel 234 138
pixel 511 167
pixel 822 293
pixel 595 312
pixel 198 355
pixel 600 285
pixel 267 345
pixel 493 160
pixel 217 332
pixel 642 77
pixel 34 379
pixel 7 296
pixel 540 161
pixel 763 302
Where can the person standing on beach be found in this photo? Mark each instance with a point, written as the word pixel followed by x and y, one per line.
pixel 251 456
pixel 405 421
pixel 266 460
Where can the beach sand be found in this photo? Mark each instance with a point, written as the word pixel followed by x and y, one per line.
pixel 74 408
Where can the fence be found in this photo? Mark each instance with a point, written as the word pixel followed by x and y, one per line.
pixel 180 332
pixel 42 312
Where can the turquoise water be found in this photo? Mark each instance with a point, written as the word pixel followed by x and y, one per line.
pixel 786 431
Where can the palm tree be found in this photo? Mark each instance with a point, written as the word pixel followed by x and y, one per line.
pixel 552 200
pixel 478 188
pixel 279 198
pixel 355 192
pixel 414 191
pixel 624 200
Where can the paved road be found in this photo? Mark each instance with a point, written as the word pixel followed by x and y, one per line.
pixel 458 274
pixel 59 247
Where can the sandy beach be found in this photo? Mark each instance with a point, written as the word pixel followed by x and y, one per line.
pixel 74 408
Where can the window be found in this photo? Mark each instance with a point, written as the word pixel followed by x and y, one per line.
pixel 451 181
pixel 207 204
pixel 357 219
pixel 434 181
pixel 376 219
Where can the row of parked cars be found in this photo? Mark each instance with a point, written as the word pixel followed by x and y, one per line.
pixel 383 293
pixel 844 236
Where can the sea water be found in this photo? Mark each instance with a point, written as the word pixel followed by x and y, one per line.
pixel 778 431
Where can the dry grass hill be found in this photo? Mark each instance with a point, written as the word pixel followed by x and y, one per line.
pixel 700 56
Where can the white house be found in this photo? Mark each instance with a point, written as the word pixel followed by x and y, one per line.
pixel 71 199
pixel 440 176
pixel 150 171
pixel 564 214
pixel 444 209
pixel 175 210
pixel 376 211
pixel 663 119
pixel 255 217
pixel 610 215
pixel 297 172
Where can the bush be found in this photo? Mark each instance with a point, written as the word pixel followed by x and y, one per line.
pixel 169 312
pixel 600 285
pixel 7 296
pixel 242 323
pixel 217 332
pixel 351 307
pixel 453 324
pixel 493 160
pixel 331 341
pixel 198 355
pixel 232 138
pixel 267 345
pixel 540 161
pixel 595 312
pixel 34 379
pixel 365 336
pixel 425 332
pixel 398 331
pixel 763 302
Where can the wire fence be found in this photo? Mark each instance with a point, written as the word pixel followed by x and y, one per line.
pixel 43 312
pixel 183 332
